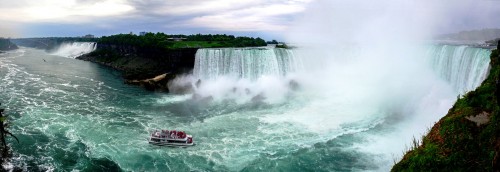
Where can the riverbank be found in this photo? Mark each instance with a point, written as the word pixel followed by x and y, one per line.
pixel 467 138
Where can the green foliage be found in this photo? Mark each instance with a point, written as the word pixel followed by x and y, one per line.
pixel 162 41
pixel 149 40
pixel 425 158
pixel 495 53
pixel 273 42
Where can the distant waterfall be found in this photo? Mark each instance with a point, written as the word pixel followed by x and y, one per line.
pixel 464 67
pixel 248 63
pixel 75 49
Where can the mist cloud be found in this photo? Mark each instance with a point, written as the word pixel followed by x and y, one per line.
pixel 366 60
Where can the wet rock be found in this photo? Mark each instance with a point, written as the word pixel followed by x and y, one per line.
pixel 293 85
pixel 157 83
pixel 258 98
pixel 198 83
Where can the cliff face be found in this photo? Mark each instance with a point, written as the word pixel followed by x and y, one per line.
pixel 140 63
pixel 6 45
pixel 468 137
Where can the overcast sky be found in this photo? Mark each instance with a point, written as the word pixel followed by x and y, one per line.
pixel 264 18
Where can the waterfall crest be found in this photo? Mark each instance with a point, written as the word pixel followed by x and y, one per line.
pixel 75 49
pixel 245 63
pixel 464 67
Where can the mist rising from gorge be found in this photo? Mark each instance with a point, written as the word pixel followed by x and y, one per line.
pixel 371 57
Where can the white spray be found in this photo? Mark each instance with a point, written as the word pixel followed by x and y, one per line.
pixel 365 63
pixel 75 49
pixel 367 60
pixel 242 74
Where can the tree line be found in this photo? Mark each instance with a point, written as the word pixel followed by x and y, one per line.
pixel 162 40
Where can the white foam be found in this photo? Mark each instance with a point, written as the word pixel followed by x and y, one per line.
pixel 75 49
pixel 173 99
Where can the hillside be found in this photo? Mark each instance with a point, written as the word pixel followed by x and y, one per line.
pixel 6 44
pixel 468 137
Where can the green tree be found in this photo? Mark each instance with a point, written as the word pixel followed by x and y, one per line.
pixel 273 42
pixel 161 41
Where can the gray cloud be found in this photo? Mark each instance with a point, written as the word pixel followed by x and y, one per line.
pixel 255 17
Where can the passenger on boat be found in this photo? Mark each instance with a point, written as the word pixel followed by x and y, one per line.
pixel 156 133
pixel 173 133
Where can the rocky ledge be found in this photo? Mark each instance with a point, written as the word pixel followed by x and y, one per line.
pixel 159 82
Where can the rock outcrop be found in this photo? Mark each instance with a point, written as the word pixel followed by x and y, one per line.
pixel 159 82
pixel 142 63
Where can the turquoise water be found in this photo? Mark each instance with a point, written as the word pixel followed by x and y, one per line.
pixel 75 115
pixel 71 114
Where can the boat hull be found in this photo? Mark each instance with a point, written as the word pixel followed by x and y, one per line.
pixel 171 144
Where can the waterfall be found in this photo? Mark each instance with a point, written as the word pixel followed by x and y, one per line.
pixel 464 67
pixel 75 49
pixel 246 63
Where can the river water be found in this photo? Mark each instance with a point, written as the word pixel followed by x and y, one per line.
pixel 76 115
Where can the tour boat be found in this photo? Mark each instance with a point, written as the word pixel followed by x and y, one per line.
pixel 171 138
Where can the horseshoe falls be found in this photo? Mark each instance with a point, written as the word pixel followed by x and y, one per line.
pixel 463 67
pixel 352 116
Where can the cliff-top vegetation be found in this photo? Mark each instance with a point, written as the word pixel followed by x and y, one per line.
pixel 164 41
